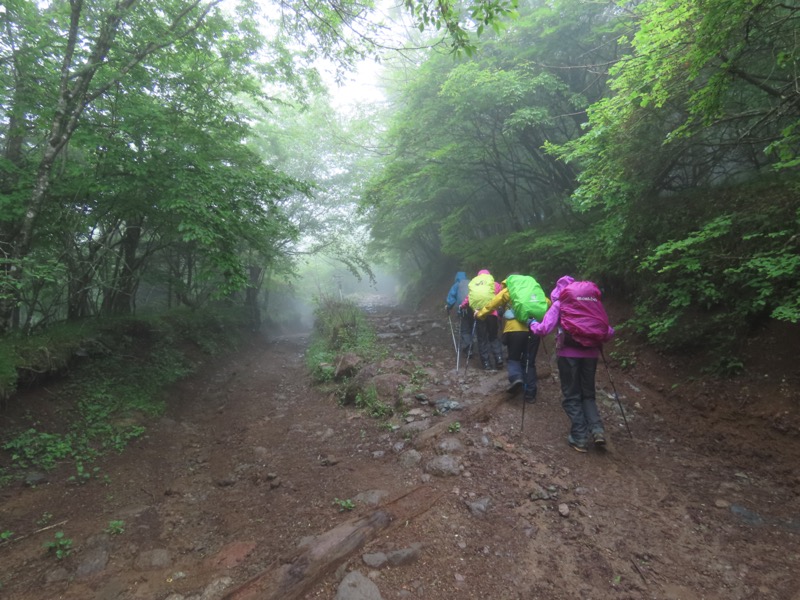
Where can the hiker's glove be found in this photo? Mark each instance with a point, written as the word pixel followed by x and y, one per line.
pixel 447 308
pixel 531 323
pixel 460 312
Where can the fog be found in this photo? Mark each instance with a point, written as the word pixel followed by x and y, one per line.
pixel 290 305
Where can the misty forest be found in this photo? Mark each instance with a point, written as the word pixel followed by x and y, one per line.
pixel 174 171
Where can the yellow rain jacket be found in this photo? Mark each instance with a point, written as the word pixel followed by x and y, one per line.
pixel 500 303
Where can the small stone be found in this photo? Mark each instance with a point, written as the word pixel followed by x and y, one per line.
pixel 720 503
pixel 479 507
pixel 411 458
pixel 376 560
pixel 35 478
pixel 443 466
pixel 563 510
pixel 405 556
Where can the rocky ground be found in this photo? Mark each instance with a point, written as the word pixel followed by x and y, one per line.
pixel 253 470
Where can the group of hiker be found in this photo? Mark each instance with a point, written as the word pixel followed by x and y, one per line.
pixel 574 310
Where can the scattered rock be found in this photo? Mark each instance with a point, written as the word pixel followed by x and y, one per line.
pixel 443 466
pixel 404 556
pixel 357 587
pixel 35 478
pixel 411 458
pixel 563 510
pixel 93 561
pixel 214 589
pixel 59 574
pixel 226 481
pixel 378 454
pixel 444 405
pixel 748 516
pixel 479 507
pixel 415 427
pixel 720 503
pixel 371 497
pixel 538 493
pixel 347 365
pixel 450 445
pixel 376 560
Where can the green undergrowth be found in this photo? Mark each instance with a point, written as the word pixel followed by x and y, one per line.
pixel 340 326
pixel 105 380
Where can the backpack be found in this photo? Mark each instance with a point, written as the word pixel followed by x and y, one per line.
pixel 462 291
pixel 583 316
pixel 481 291
pixel 527 298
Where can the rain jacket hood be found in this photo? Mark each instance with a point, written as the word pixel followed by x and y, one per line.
pixel 560 285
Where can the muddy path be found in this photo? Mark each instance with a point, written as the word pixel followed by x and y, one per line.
pixel 251 464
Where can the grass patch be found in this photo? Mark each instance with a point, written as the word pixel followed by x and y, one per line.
pixel 341 326
pixel 111 384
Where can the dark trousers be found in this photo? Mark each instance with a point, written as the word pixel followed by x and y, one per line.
pixel 580 404
pixel 488 344
pixel 522 349
pixel 466 321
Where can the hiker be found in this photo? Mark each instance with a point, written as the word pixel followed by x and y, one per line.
pixel 482 289
pixel 522 346
pixel 577 364
pixel 458 292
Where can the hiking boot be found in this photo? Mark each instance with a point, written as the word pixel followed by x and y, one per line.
pixel 486 365
pixel 576 445
pixel 499 362
pixel 530 399
pixel 515 386
pixel 599 439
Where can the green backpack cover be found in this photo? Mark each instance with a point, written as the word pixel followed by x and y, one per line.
pixel 527 298
pixel 481 291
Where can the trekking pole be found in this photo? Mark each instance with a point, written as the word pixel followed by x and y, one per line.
pixel 469 348
pixel 616 395
pixel 527 357
pixel 458 347
pixel 453 333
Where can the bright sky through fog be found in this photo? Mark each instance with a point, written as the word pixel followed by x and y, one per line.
pixel 356 88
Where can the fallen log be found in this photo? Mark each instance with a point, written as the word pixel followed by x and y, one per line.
pixel 295 575
pixel 476 412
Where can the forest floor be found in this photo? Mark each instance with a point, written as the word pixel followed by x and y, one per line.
pixel 701 500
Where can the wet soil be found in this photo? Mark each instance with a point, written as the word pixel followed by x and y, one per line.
pixel 697 497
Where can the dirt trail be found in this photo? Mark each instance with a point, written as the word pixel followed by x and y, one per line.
pixel 251 462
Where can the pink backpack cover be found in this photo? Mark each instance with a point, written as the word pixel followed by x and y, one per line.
pixel 583 316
